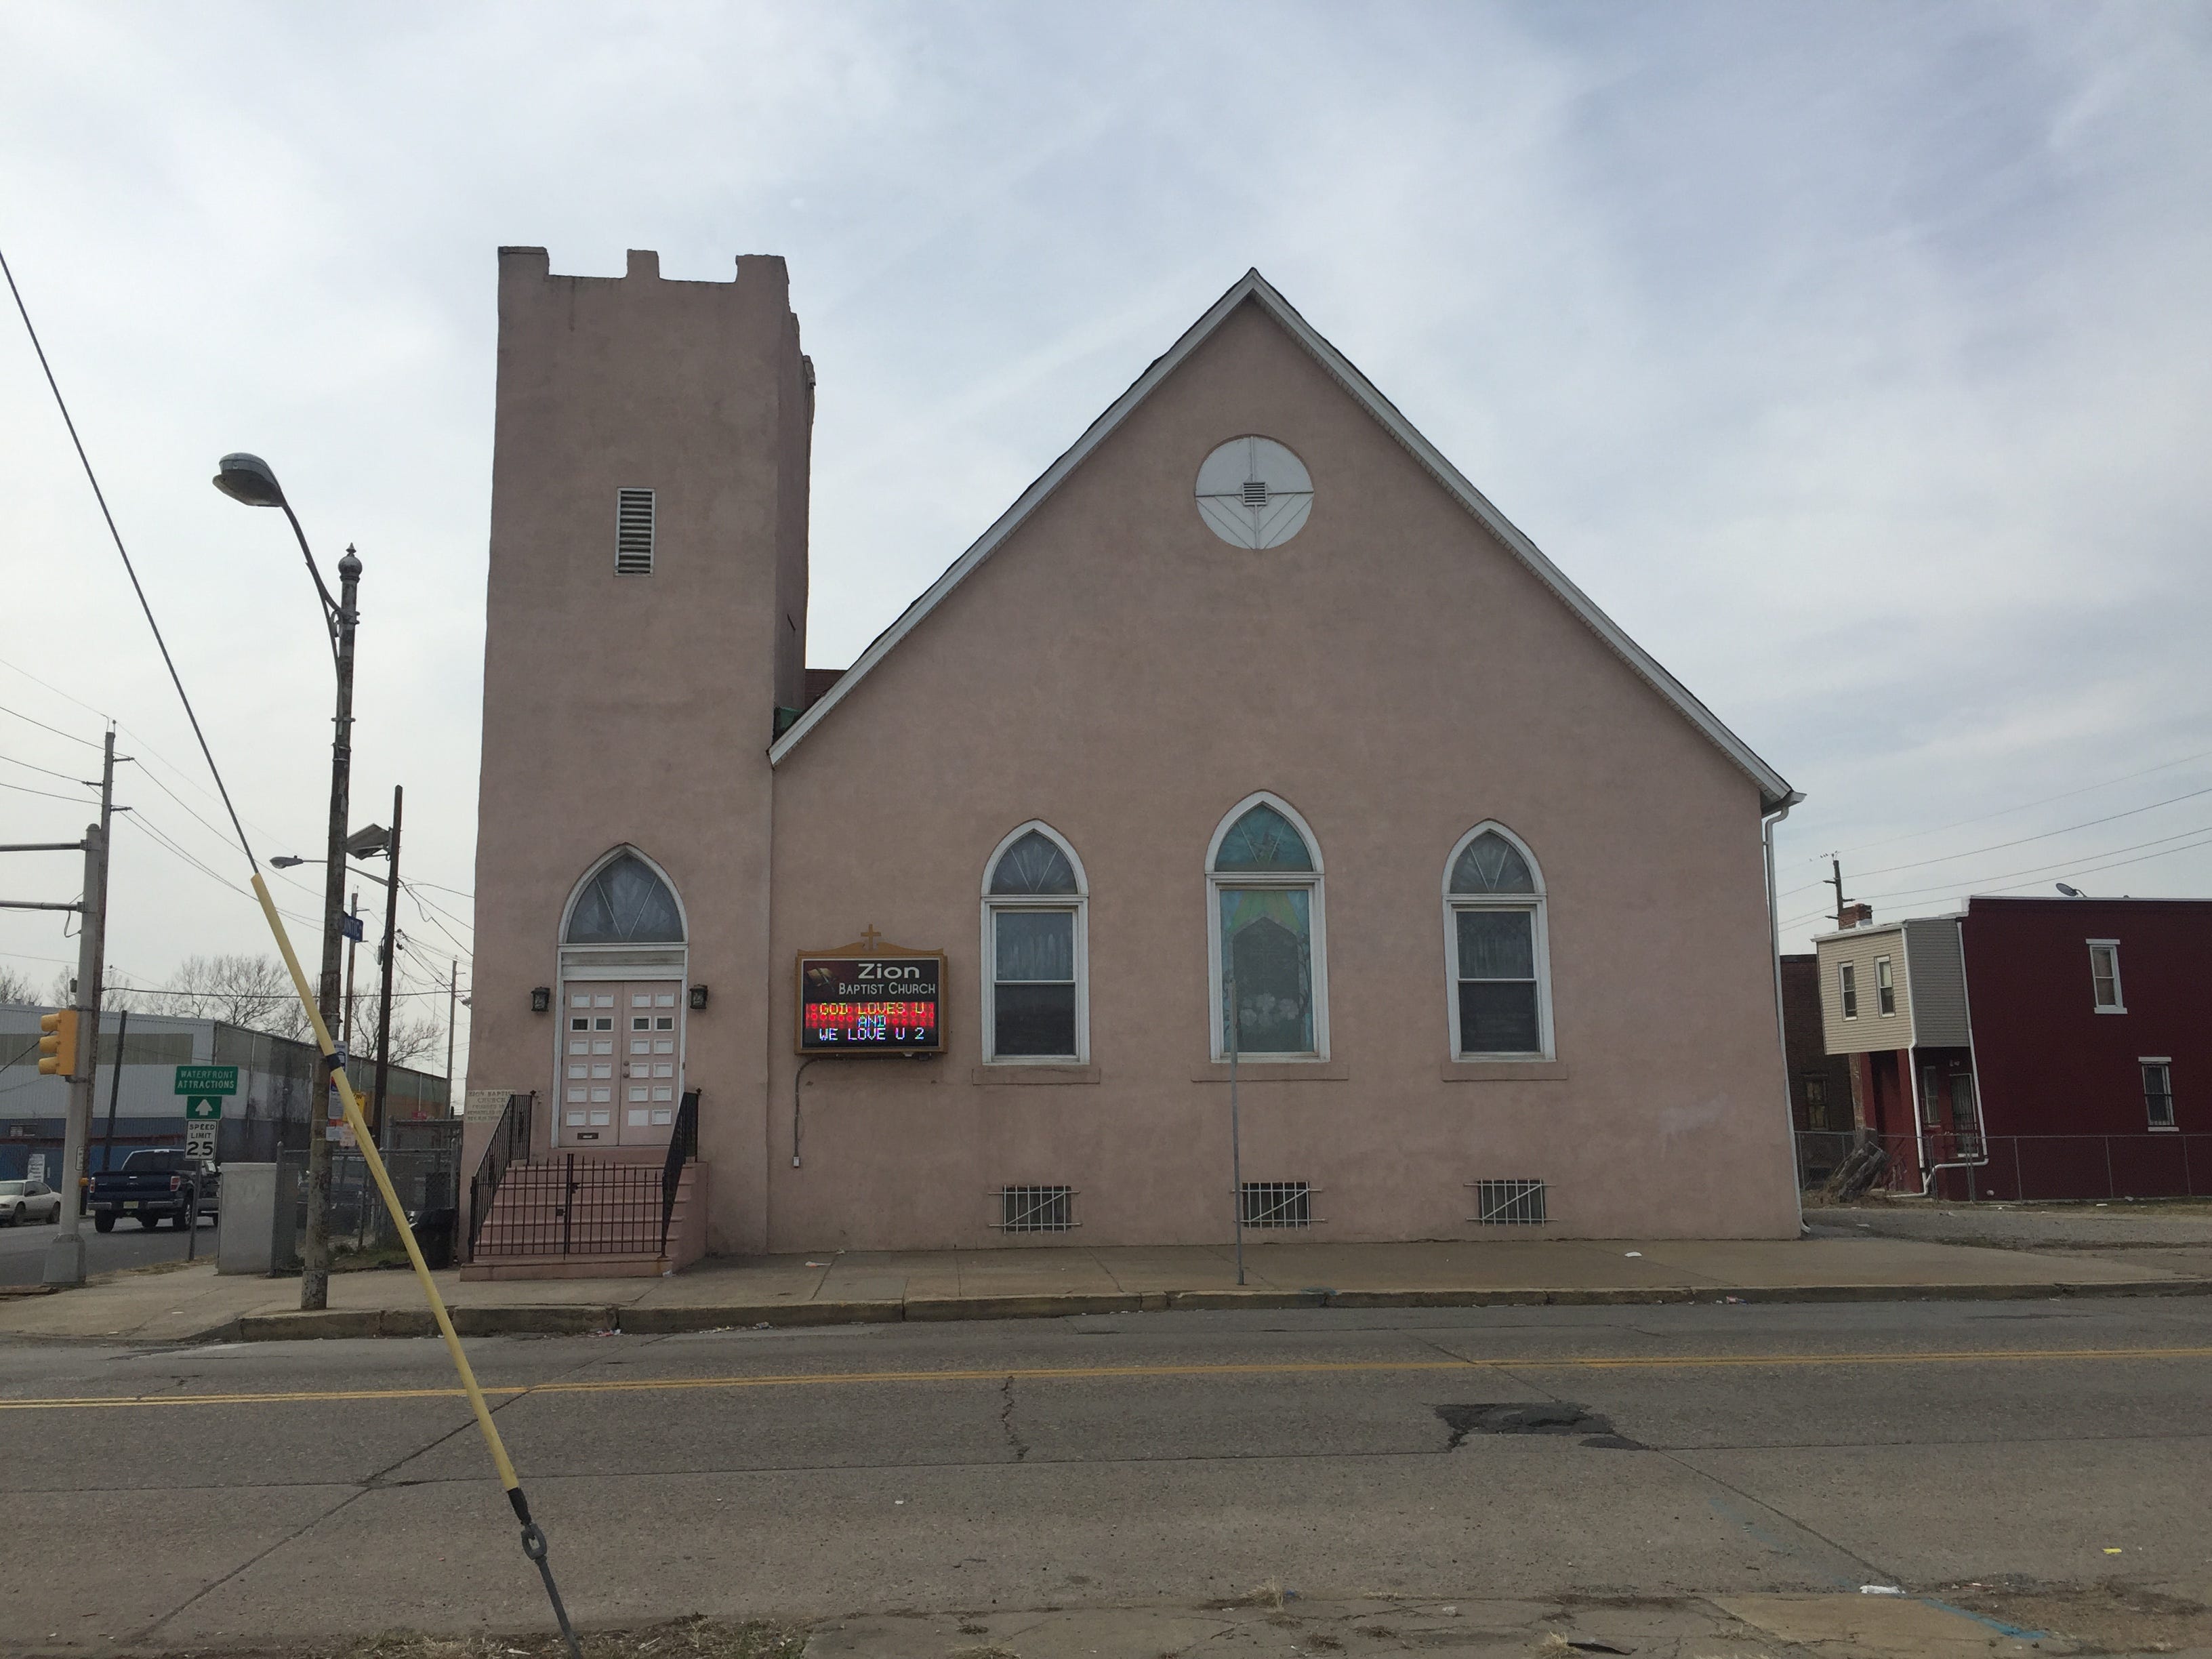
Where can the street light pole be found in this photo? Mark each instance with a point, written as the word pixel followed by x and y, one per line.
pixel 315 1257
pixel 248 478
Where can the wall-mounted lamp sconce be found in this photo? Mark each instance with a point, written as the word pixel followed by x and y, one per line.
pixel 541 998
pixel 698 996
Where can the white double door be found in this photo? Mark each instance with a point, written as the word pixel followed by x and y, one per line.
pixel 622 1061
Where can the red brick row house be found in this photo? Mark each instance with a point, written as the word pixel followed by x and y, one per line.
pixel 2030 1048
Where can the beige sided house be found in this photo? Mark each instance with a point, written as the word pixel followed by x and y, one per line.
pixel 1250 724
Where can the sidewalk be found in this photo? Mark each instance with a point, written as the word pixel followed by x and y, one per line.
pixel 191 1302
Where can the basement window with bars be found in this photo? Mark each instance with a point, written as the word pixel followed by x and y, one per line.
pixel 1277 1203
pixel 1509 1203
pixel 633 533
pixel 1036 1209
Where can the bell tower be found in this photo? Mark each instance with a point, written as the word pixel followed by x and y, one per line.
pixel 645 618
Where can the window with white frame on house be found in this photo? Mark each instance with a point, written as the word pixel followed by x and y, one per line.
pixel 2105 976
pixel 1034 902
pixel 1885 988
pixel 633 533
pixel 2158 1092
pixel 1847 988
pixel 1263 879
pixel 1497 949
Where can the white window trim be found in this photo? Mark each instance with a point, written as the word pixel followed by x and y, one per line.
pixel 1847 996
pixel 1885 993
pixel 2118 1004
pixel 578 962
pixel 1217 1027
pixel 2167 1060
pixel 1078 901
pixel 1537 905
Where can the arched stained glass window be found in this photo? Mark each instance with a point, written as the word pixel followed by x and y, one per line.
pixel 1034 864
pixel 625 903
pixel 1491 864
pixel 1263 840
pixel 1269 979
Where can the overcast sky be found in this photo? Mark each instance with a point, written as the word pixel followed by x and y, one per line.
pixel 1853 357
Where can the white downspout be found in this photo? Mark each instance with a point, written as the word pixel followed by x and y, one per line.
pixel 1767 823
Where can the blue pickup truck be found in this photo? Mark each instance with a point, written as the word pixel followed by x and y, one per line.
pixel 158 1182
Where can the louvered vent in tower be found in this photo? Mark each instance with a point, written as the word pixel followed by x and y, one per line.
pixel 633 533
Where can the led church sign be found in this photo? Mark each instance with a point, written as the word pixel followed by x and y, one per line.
pixel 871 997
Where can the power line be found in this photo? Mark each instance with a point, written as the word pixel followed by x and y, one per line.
pixel 129 570
pixel 43 727
pixel 181 803
pixel 48 770
pixel 15 668
pixel 2044 800
pixel 2072 865
pixel 25 789
pixel 1972 851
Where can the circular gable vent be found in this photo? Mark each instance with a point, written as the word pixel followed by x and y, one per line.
pixel 1252 492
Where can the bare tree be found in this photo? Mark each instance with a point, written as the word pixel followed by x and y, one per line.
pixel 413 1036
pixel 16 986
pixel 252 991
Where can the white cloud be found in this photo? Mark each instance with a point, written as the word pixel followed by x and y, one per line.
pixel 1853 358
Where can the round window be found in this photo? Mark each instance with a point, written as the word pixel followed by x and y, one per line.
pixel 1252 492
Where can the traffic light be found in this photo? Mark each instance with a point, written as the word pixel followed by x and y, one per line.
pixel 57 1044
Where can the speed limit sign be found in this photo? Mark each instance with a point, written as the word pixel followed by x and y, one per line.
pixel 199 1138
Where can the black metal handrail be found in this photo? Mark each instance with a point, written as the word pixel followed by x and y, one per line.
pixel 509 1144
pixel 683 1147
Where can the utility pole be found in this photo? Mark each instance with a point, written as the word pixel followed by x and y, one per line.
pixel 1836 881
pixel 114 1089
pixel 453 1001
pixel 376 1122
pixel 353 949
pixel 65 1255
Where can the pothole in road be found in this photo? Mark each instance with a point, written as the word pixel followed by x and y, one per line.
pixel 1534 1417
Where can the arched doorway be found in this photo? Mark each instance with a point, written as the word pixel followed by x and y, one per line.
pixel 620 1069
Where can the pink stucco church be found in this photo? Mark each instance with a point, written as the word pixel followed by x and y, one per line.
pixel 1250 738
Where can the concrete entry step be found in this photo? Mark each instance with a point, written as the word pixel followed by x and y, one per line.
pixel 587 1216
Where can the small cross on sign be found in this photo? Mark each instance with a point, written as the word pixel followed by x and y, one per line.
pixel 872 938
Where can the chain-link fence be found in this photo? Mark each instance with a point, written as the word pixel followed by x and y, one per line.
pixel 1946 1165
pixel 426 1179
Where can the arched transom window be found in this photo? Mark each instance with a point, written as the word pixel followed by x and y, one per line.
pixel 1035 991
pixel 625 903
pixel 1269 972
pixel 1496 949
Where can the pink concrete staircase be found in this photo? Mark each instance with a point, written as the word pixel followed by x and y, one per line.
pixel 589 1215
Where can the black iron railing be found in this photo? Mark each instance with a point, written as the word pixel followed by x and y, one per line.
pixel 509 1145
pixel 573 1206
pixel 682 1148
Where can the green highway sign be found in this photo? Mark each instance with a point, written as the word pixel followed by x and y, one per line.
pixel 204 1109
pixel 207 1080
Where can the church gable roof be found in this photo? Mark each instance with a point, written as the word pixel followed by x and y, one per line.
pixel 1774 790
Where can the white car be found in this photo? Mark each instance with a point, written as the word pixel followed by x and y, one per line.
pixel 29 1200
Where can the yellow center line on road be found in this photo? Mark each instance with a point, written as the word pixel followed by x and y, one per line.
pixel 995 1374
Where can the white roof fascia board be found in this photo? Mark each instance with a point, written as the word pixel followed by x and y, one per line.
pixel 1774 790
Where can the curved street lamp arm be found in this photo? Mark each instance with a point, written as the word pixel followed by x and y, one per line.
pixel 331 612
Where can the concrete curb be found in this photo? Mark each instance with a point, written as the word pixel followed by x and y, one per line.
pixel 580 1319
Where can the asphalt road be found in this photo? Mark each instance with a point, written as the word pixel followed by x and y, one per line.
pixel 260 1493
pixel 23 1249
